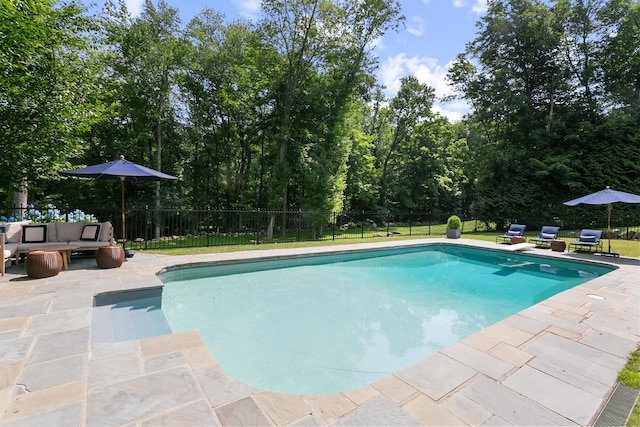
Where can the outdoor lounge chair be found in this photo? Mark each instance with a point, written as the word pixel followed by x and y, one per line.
pixel 547 235
pixel 588 239
pixel 515 230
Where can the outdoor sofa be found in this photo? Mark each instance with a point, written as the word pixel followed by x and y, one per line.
pixel 22 236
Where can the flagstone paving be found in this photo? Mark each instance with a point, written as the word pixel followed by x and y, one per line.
pixel 552 364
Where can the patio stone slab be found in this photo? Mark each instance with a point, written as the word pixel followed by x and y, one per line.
pixel 60 344
pixel 219 387
pixel 480 361
pixel 115 368
pixel 395 388
pixel 582 379
pixel 55 322
pixel 44 400
pixel 195 414
pixel 427 412
pixel 559 396
pixel 15 349
pixel 610 343
pixel 68 415
pixel 282 408
pixel 127 401
pixel 244 412
pixel 576 357
pixel 381 412
pixel 436 375
pixel 511 406
pixel 54 373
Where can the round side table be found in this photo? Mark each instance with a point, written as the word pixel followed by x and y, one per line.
pixel 40 264
pixel 110 256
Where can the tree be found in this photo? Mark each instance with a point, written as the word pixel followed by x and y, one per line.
pixel 50 94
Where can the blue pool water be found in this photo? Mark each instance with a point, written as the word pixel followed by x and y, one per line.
pixel 332 323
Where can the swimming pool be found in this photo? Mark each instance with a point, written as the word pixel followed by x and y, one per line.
pixel 336 322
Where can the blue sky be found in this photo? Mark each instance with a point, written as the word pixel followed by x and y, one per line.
pixel 435 32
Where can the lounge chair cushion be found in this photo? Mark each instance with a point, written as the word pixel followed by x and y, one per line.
pixel 588 239
pixel 547 236
pixel 34 233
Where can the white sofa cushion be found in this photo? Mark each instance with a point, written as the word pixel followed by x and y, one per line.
pixel 13 231
pixel 105 231
pixel 34 233
pixel 69 231
pixel 90 232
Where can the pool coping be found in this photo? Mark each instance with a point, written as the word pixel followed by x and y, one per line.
pixel 553 363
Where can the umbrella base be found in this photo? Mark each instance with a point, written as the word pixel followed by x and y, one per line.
pixel 613 254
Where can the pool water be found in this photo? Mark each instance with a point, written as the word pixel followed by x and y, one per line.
pixel 336 322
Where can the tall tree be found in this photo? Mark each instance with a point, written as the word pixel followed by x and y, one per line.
pixel 50 96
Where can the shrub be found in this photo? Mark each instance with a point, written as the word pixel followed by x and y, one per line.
pixel 454 222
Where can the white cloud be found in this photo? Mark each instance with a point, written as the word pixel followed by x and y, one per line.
pixel 458 3
pixel 250 9
pixel 480 6
pixel 134 7
pixel 416 26
pixel 427 71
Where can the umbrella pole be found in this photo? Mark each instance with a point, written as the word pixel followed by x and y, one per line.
pixel 609 225
pixel 122 204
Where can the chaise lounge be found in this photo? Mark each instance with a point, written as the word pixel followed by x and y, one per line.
pixel 515 230
pixel 547 235
pixel 588 239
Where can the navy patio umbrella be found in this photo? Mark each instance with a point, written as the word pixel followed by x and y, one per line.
pixel 119 170
pixel 605 197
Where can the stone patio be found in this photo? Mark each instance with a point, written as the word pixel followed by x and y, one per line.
pixel 554 363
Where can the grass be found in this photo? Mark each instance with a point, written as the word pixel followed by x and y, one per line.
pixel 628 248
pixel 630 376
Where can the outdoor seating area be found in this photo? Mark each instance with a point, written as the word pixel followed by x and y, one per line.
pixel 21 238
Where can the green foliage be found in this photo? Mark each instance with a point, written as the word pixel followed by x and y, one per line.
pixel 50 88
pixel 454 222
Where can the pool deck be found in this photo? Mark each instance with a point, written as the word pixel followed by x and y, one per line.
pixel 554 363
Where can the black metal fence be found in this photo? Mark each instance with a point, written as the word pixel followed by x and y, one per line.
pixel 148 228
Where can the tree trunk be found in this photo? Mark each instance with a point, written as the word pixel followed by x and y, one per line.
pixel 19 199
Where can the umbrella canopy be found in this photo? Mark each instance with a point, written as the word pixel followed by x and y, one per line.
pixel 605 197
pixel 122 170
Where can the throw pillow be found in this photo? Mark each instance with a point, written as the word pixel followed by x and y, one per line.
pixel 34 233
pixel 90 232
pixel 513 233
pixel 588 239
pixel 547 236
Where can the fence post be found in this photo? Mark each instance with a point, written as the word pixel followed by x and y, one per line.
pixel 410 213
pixel 299 224
pixel 333 226
pixel 146 226
pixel 208 229
pixel 362 226
pixel 388 221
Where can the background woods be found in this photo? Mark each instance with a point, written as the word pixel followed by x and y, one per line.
pixel 286 113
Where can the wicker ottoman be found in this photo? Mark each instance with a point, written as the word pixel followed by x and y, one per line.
pixel 110 256
pixel 41 264
pixel 517 239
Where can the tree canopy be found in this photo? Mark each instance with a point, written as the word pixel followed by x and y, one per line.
pixel 286 113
